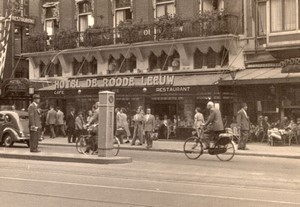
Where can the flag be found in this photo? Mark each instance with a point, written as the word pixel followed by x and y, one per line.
pixel 5 24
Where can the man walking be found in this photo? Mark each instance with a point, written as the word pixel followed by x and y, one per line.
pixel 34 123
pixel 51 121
pixel 243 124
pixel 71 125
pixel 149 127
pixel 60 122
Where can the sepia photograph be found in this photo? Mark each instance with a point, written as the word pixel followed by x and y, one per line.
pixel 149 103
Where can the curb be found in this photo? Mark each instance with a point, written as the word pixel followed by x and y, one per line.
pixel 67 158
pixel 181 151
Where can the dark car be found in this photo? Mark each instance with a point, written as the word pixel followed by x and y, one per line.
pixel 13 128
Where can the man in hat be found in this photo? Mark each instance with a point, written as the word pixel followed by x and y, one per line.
pixel 243 124
pixel 34 123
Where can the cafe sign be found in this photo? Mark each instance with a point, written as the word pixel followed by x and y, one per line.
pixel 154 80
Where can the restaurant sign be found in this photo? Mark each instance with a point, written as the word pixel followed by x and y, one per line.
pixel 23 19
pixel 154 80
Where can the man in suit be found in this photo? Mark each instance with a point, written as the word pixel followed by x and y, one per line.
pixel 51 121
pixel 214 121
pixel 71 125
pixel 243 124
pixel 34 123
pixel 60 122
pixel 149 127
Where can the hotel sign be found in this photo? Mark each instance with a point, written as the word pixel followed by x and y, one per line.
pixel 111 82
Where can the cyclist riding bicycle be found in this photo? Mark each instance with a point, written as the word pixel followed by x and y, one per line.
pixel 214 124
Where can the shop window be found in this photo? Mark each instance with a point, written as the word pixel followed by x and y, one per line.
pixel 42 68
pixel 93 66
pixel 165 7
pixel 198 59
pixel 80 68
pixel 211 58
pixel 211 5
pixel 58 69
pixel 152 61
pixel 121 65
pixel 283 15
pixel 224 57
pixel 163 62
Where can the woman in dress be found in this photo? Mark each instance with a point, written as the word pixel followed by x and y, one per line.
pixel 124 123
pixel 198 120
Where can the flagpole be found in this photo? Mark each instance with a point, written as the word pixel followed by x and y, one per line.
pixel 6 23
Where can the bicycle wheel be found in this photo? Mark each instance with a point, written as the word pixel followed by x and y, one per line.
pixel 80 141
pixel 116 145
pixel 193 148
pixel 224 152
pixel 84 145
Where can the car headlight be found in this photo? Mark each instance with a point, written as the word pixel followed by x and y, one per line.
pixel 21 134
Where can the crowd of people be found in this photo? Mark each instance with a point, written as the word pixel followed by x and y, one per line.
pixel 148 127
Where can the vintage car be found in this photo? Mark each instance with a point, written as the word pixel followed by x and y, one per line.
pixel 13 128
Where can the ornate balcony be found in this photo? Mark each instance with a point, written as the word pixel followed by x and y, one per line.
pixel 163 28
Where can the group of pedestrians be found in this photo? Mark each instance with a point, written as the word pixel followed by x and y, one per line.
pixel 55 121
pixel 144 126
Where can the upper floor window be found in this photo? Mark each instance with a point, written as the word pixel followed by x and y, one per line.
pixel 122 11
pixel 50 17
pixel 165 7
pixel 85 15
pixel 211 5
pixel 20 7
pixel 19 34
pixel 261 18
pixel 283 15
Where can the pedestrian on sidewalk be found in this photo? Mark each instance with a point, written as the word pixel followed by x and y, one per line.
pixel 90 116
pixel 123 123
pixel 138 119
pixel 149 128
pixel 198 120
pixel 71 125
pixel 51 121
pixel 34 123
pixel 243 124
pixel 60 122
pixel 79 126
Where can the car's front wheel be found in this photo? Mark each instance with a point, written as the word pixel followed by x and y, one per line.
pixel 8 140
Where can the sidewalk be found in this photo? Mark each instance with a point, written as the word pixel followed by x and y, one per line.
pixel 176 146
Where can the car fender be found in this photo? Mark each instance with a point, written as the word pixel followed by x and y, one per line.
pixel 12 132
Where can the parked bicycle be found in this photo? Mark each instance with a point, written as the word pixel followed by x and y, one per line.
pixel 223 147
pixel 88 143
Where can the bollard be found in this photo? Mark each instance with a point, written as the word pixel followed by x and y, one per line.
pixel 106 124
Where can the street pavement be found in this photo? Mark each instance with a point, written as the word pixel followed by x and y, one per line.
pixel 153 179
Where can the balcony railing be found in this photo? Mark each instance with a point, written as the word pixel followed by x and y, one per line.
pixel 164 28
